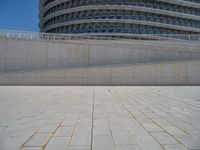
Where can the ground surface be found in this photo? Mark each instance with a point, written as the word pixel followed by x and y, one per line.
pixel 99 118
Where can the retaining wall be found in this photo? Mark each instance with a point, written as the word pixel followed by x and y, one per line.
pixel 98 62
pixel 27 55
pixel 173 73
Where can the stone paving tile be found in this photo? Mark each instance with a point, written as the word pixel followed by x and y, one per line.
pixel 114 120
pixel 79 148
pixel 103 143
pixel 162 122
pixel 184 126
pixel 39 139
pixel 100 122
pixel 127 147
pixel 31 148
pixel 152 115
pixel 117 127
pixel 189 141
pixel 84 126
pixel 7 142
pixel 151 127
pixel 48 128
pixel 131 123
pixel 163 138
pixel 70 121
pixel 101 130
pixel 59 143
pixel 174 130
pixel 147 143
pixel 175 147
pixel 65 131
pixel 81 139
pixel 138 130
pixel 195 133
pixel 123 138
pixel 141 118
pixel 54 121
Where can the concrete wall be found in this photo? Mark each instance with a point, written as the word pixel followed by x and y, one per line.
pixel 90 62
pixel 173 73
pixel 27 55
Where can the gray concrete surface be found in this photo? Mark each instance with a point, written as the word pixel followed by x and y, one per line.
pixel 99 118
pixel 19 54
pixel 99 62
pixel 168 73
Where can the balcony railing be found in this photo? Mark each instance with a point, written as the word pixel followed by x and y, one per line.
pixel 9 34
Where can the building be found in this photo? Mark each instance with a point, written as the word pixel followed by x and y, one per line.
pixel 120 17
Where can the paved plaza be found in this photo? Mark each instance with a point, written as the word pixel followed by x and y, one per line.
pixel 99 118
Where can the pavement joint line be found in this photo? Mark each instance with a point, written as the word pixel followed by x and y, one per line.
pixel 109 93
pixel 152 110
pixel 73 131
pixel 44 146
pixel 161 116
pixel 135 118
pixel 92 129
pixel 157 125
pixel 149 117
pixel 110 128
pixel 23 145
pixel 111 132
pixel 171 99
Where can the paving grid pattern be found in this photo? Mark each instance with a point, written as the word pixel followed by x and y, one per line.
pixel 99 118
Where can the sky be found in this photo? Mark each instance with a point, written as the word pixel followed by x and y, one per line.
pixel 22 15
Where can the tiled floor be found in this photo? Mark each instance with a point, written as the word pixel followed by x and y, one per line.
pixel 99 118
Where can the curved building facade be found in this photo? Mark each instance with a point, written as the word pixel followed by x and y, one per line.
pixel 120 17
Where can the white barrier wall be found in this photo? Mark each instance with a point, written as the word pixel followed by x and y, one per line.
pixel 173 73
pixel 27 55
